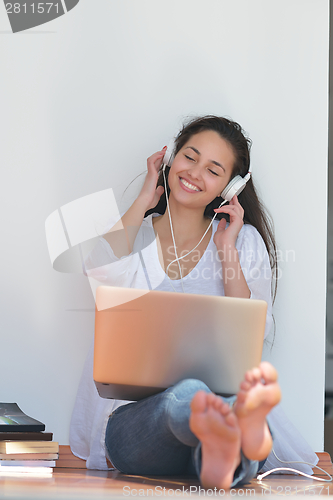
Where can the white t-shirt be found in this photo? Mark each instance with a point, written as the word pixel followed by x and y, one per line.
pixel 142 270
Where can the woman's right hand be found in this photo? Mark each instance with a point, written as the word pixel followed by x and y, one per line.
pixel 122 242
pixel 149 193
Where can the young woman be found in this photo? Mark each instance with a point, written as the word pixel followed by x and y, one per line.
pixel 187 429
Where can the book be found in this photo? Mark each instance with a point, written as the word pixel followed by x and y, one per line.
pixel 13 471
pixel 26 436
pixel 10 447
pixel 29 456
pixel 13 418
pixel 27 463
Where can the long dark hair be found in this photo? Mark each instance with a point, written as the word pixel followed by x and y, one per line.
pixel 254 210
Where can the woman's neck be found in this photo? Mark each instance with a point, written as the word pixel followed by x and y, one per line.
pixel 187 223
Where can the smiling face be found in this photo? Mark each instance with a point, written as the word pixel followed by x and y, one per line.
pixel 201 169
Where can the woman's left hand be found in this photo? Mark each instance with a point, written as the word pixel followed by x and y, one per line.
pixel 228 236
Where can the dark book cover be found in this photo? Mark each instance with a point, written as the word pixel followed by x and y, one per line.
pixel 12 419
pixel 26 436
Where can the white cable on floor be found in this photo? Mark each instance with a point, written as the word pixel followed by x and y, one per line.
pixel 261 476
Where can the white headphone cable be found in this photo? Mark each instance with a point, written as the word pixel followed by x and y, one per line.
pixel 183 256
pixel 261 476
pixel 173 237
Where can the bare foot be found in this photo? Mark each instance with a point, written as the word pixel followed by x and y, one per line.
pixel 215 425
pixel 259 392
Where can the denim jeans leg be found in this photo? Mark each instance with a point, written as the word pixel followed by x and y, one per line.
pixel 152 436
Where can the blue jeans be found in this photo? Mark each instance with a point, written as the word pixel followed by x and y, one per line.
pixel 153 437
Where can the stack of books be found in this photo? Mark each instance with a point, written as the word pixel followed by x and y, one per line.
pixel 24 446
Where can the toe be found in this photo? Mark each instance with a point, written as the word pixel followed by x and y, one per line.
pixel 225 409
pixel 245 385
pixel 211 398
pixel 249 377
pixel 199 402
pixel 268 372
pixel 231 419
pixel 256 372
pixel 241 396
pixel 218 403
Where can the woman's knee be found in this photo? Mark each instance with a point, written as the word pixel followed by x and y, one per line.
pixel 188 387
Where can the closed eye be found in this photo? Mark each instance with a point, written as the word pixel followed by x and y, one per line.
pixel 189 158
pixel 212 172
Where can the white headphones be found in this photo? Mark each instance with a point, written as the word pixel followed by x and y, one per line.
pixel 234 187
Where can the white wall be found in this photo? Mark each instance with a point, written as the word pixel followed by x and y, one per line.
pixel 329 325
pixel 86 98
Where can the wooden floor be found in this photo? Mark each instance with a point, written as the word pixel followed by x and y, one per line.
pixel 68 482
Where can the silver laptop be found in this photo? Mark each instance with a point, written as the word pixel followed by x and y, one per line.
pixel 146 341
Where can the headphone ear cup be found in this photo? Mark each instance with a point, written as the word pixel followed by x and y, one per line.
pixel 235 187
pixel 169 154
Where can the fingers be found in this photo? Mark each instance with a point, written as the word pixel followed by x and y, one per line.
pixel 222 225
pixel 234 208
pixel 154 162
pixel 156 155
pixel 233 211
pixel 228 235
pixel 150 193
pixel 158 193
pixel 234 201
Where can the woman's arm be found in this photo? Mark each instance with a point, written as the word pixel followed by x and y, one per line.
pixel 234 282
pixel 122 235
